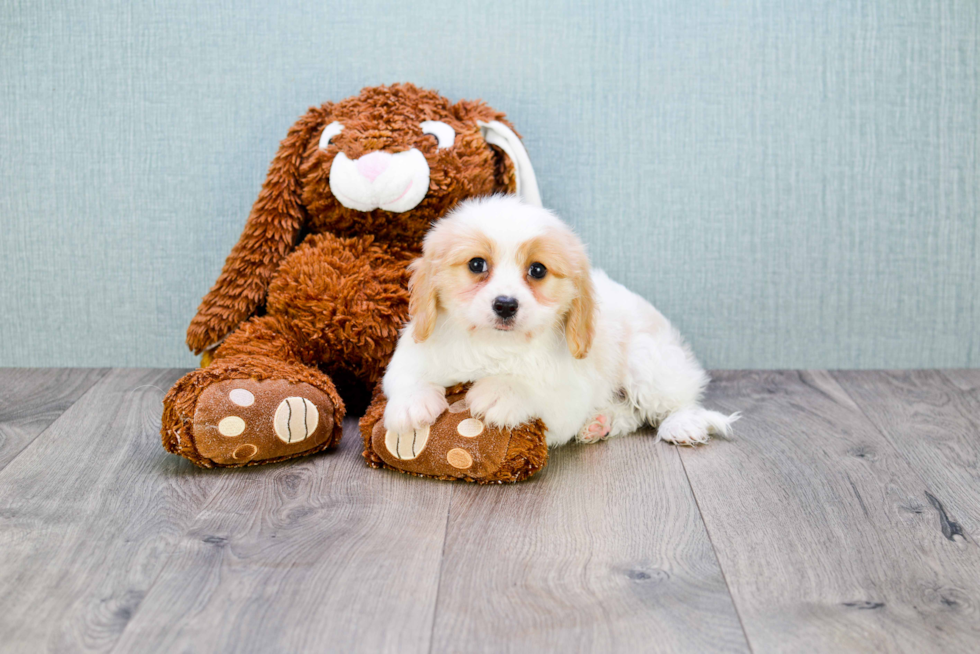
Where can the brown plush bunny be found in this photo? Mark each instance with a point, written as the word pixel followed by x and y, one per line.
pixel 310 301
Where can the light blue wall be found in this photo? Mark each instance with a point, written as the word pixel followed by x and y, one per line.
pixel 794 184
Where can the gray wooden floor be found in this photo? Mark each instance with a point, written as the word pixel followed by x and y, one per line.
pixel 843 516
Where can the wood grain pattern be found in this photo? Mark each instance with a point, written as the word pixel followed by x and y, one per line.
pixel 32 398
pixel 316 554
pixel 821 529
pixel 603 551
pixel 842 516
pixel 89 514
pixel 933 419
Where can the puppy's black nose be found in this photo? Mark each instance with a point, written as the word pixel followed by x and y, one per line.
pixel 504 306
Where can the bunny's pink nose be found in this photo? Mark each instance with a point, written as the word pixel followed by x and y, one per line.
pixel 372 165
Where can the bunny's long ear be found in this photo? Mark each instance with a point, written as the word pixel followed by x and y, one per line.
pixel 496 133
pixel 270 234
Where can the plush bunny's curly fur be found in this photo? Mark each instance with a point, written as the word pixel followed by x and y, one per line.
pixel 315 292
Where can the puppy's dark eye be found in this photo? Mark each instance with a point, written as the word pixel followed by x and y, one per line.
pixel 537 270
pixel 478 265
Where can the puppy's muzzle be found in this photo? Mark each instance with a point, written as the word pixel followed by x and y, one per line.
pixel 505 307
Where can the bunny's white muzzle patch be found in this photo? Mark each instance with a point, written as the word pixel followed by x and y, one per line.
pixel 379 179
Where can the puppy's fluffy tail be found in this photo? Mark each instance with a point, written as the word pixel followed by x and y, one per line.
pixel 695 425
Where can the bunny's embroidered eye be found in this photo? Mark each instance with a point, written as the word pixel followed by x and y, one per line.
pixel 445 135
pixel 330 131
pixel 478 265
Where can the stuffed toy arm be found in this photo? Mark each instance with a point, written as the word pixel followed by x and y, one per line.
pixel 244 281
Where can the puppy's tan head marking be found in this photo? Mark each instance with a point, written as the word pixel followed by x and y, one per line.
pixel 480 256
pixel 550 249
pixel 443 271
pixel 566 280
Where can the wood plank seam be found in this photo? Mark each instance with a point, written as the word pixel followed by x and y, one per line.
pixel 948 526
pixel 714 550
pixel 212 514
pixel 814 564
pixel 149 589
pixel 185 536
pixel 442 565
pixel 44 431
pixel 128 409
pixel 173 549
pixel 215 490
pixel 944 374
pixel 605 551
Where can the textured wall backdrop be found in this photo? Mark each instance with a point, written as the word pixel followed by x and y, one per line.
pixel 793 183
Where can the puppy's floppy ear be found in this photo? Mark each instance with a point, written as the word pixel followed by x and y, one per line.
pixel 497 133
pixel 423 303
pixel 580 319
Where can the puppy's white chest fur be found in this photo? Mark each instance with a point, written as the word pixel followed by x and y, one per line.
pixel 536 376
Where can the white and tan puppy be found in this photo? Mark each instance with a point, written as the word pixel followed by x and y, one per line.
pixel 503 296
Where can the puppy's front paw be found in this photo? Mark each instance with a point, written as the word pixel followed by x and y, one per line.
pixel 407 411
pixel 498 403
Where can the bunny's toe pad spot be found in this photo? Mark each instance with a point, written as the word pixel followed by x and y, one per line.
pixel 239 421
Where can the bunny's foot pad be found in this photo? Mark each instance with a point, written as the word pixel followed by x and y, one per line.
pixel 244 421
pixel 457 446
